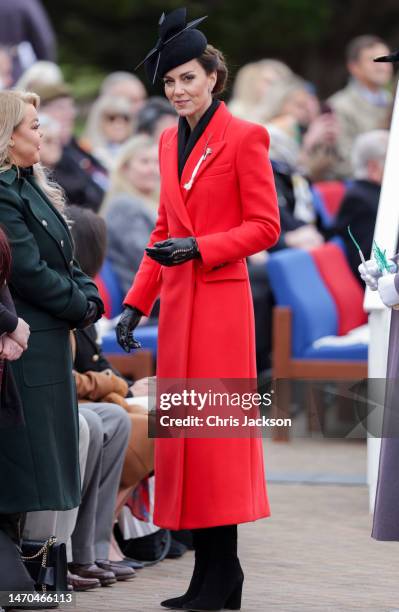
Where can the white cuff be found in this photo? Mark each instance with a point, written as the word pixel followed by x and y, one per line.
pixel 387 290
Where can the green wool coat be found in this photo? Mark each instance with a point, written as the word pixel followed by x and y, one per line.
pixel 39 461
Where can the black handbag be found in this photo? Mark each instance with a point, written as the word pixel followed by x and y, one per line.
pixel 149 549
pixel 46 562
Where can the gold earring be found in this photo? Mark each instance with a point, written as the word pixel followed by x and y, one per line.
pixel 12 143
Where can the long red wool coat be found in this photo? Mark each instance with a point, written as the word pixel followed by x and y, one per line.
pixel 206 325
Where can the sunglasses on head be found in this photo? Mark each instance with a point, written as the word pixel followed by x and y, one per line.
pixel 115 116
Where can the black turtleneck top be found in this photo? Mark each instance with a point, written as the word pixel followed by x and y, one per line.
pixel 187 139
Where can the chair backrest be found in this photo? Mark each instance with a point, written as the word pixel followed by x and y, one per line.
pixel 342 285
pixel 110 290
pixel 296 282
pixel 328 196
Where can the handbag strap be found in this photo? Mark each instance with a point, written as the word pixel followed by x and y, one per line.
pixel 43 551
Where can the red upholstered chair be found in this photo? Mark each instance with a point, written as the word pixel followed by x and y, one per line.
pixel 341 284
pixel 332 193
pixel 318 302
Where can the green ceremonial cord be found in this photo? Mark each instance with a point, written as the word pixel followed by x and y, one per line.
pixel 380 258
pixel 353 239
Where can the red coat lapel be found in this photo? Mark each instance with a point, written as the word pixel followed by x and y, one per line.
pixel 211 139
pixel 170 179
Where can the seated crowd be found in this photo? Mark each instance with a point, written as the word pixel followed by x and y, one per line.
pixel 109 173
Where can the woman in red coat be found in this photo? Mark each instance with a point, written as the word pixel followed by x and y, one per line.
pixel 217 206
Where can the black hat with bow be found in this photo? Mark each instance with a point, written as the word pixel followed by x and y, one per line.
pixel 178 43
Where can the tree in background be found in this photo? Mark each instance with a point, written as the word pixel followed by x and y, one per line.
pixel 310 35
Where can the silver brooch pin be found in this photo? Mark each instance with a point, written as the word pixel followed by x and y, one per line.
pixel 205 154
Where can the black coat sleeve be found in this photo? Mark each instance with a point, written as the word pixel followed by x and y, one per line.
pixel 8 317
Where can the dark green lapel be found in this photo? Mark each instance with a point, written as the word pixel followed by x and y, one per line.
pixel 43 210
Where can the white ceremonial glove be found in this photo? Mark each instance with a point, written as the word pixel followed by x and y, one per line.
pixel 387 290
pixel 371 272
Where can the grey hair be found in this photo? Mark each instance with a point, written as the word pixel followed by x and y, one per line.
pixel 117 77
pixel 12 111
pixel 41 73
pixel 368 146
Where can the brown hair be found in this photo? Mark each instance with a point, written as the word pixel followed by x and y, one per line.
pixel 212 60
pixel 358 44
pixel 89 234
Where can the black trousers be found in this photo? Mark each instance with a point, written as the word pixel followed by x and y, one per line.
pixel 263 309
pixel 13 574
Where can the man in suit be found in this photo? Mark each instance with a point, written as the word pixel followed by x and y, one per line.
pixel 365 103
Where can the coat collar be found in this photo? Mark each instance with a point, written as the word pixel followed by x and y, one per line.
pixel 8 176
pixel 29 194
pixel 212 138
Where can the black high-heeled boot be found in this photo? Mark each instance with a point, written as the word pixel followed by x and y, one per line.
pixel 222 584
pixel 200 565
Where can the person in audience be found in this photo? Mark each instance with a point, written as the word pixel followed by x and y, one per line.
pixel 360 204
pixel 98 381
pixel 79 173
pixel 53 295
pixel 51 142
pixel 155 116
pixel 13 434
pixel 365 102
pixel 125 85
pixel 251 86
pixel 284 114
pixel 292 112
pixel 41 74
pixel 25 25
pixel 109 427
pixel 109 124
pixel 130 206
pixel 226 211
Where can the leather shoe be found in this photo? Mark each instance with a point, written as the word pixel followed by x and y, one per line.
pixel 82 584
pixel 121 572
pixel 92 570
pixel 127 562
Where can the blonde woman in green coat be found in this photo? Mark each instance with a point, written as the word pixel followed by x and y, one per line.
pixel 53 296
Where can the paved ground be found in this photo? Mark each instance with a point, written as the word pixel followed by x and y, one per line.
pixel 314 554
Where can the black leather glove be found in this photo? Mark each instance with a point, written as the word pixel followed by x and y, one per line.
pixel 128 321
pixel 93 313
pixel 174 251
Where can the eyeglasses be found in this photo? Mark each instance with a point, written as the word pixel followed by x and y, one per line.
pixel 114 117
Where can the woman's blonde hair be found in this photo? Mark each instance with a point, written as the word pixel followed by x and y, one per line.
pixel 277 95
pixel 245 84
pixel 118 181
pixel 12 111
